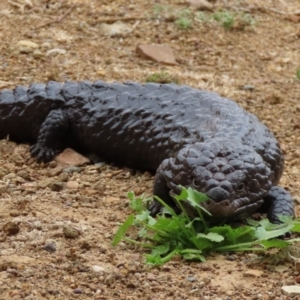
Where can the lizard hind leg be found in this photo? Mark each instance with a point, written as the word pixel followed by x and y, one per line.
pixel 51 137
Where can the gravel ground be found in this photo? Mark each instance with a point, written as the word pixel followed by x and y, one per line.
pixel 57 223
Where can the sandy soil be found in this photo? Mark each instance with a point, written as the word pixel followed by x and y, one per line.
pixel 62 224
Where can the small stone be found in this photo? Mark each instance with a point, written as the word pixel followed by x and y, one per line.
pixel 26 46
pixel 253 273
pixel 77 291
pixel 57 186
pixel 70 232
pixel 55 52
pixel 50 247
pixel 11 228
pixel 201 4
pixel 291 290
pixel 297 266
pixel 72 169
pixel 281 268
pixel 116 29
pixel 248 87
pixel 55 171
pixel 72 184
pixel 191 279
pixel 151 277
pixel 97 269
pixel 37 225
pixel 71 158
pixel 159 53
pixel 14 213
pixel 23 174
pixel 3 188
pixel 37 53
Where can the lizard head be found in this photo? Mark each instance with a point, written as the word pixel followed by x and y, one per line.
pixel 233 176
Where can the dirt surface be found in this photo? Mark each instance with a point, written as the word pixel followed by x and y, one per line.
pixel 57 226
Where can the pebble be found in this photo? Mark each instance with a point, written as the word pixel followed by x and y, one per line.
pixel 77 291
pixel 11 228
pixel 50 247
pixel 201 4
pixel 70 232
pixel 3 188
pixel 191 279
pixel 71 158
pixel 116 29
pixel 57 186
pixel 55 52
pixel 253 273
pixel 72 184
pixel 291 290
pixel 54 172
pixel 281 268
pixel 72 169
pixel 160 53
pixel 97 269
pixel 26 46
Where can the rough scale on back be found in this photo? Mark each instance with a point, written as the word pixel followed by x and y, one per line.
pixel 188 137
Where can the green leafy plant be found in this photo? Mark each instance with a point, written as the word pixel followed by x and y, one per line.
pixel 192 239
pixel 225 18
pixel 184 19
pixel 298 73
pixel 162 77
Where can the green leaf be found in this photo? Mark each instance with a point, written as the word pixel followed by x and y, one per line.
pixel 161 249
pixel 275 243
pixel 296 227
pixel 262 234
pixel 193 256
pixel 212 236
pixel 122 230
pixel 202 244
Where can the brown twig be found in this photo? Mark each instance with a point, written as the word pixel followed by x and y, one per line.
pixel 115 19
pixel 59 19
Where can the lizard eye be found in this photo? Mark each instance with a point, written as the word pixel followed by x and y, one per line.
pixel 241 187
pixel 195 183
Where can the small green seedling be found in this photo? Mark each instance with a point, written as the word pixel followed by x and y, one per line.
pixel 171 234
pixel 184 19
pixel 162 77
pixel 298 73
pixel 225 18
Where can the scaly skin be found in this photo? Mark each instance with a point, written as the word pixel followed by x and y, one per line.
pixel 189 137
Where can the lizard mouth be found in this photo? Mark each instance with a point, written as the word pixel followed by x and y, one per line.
pixel 227 208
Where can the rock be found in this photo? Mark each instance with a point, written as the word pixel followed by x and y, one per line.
pixel 56 51
pixel 159 53
pixel 253 273
pixel 11 228
pixel 200 4
pixel 116 29
pixel 291 290
pixel 72 169
pixel 72 184
pixel 77 291
pixel 70 232
pixel 26 46
pixel 50 247
pixel 54 172
pixel 151 277
pixel 281 268
pixel 71 158
pixel 3 188
pixel 56 186
pixel 97 269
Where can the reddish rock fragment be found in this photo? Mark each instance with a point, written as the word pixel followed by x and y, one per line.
pixel 159 53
